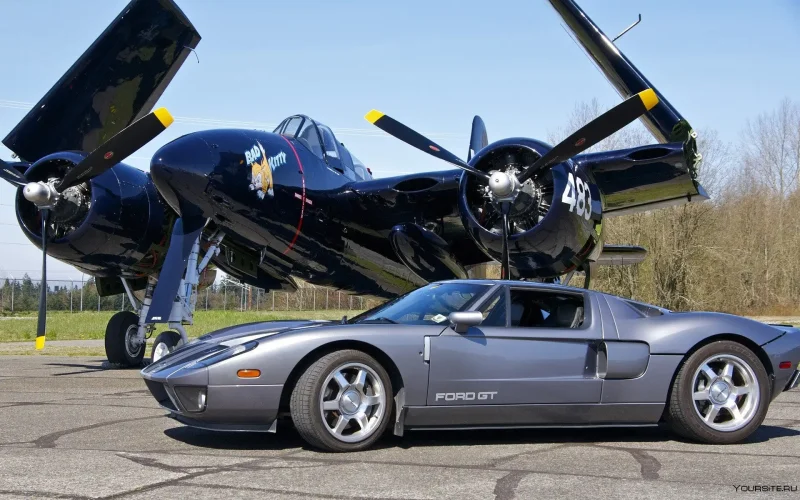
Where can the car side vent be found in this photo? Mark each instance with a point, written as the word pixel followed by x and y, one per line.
pixel 417 184
pixel 646 310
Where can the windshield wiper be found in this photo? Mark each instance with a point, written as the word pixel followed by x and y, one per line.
pixel 382 319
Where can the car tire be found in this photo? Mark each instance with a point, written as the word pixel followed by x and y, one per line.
pixel 165 343
pixel 120 328
pixel 712 381
pixel 342 402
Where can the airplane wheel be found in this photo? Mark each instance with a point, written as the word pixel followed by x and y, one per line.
pixel 165 343
pixel 343 402
pixel 721 394
pixel 121 348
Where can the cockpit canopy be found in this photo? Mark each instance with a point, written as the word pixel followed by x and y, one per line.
pixel 319 139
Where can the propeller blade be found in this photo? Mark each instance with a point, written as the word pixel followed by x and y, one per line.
pixel 10 175
pixel 505 208
pixel 595 131
pixel 41 325
pixel 478 139
pixel 119 147
pixel 405 134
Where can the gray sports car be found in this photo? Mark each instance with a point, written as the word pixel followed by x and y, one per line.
pixel 484 354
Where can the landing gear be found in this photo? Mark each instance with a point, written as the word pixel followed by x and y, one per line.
pixel 587 268
pixel 165 343
pixel 122 345
pixel 127 332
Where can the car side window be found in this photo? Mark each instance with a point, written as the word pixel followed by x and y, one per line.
pixel 545 309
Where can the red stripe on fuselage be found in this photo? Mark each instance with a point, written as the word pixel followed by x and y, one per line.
pixel 302 200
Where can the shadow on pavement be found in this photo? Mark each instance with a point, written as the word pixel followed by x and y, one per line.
pixel 287 437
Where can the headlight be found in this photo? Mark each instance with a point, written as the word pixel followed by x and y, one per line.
pixel 228 353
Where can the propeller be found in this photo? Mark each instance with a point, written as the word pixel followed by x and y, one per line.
pixel 119 147
pixel 46 195
pixel 42 322
pixel 595 131
pixel 505 186
pixel 419 141
pixel 9 174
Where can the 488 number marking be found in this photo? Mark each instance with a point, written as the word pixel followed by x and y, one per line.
pixel 578 197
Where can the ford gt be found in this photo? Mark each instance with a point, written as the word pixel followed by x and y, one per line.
pixel 483 354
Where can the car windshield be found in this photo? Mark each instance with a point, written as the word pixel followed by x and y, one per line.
pixel 429 305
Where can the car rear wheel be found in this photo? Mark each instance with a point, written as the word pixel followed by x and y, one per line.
pixel 343 401
pixel 720 395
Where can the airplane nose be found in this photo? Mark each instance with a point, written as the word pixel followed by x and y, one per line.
pixel 181 170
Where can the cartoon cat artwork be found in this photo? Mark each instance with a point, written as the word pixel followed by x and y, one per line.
pixel 261 172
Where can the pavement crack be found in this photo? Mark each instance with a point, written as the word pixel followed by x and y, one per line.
pixel 41 494
pixel 152 462
pixel 186 476
pixel 303 494
pixel 506 486
pixel 49 440
pixel 504 460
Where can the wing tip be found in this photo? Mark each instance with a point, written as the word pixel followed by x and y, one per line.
pixel 373 116
pixel 649 98
pixel 164 117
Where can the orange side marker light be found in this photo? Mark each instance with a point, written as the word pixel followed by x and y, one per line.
pixel 249 373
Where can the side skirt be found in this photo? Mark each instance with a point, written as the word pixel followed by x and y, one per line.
pixel 544 415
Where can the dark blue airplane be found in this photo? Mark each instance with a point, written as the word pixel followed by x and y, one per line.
pixel 269 207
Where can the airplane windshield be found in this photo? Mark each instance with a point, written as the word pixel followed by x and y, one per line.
pixel 429 305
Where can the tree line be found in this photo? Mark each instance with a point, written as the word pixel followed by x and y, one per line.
pixel 739 252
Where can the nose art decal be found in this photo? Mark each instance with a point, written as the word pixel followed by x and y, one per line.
pixel 261 169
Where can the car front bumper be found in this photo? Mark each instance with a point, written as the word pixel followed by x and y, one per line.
pixel 186 393
pixel 227 407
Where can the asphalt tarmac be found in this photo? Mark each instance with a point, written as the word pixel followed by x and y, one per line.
pixel 69 428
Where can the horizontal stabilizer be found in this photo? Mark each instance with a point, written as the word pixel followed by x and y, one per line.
pixel 621 255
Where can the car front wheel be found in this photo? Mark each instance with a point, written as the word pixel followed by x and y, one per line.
pixel 721 394
pixel 343 401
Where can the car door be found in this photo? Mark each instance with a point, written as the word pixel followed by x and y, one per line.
pixel 526 351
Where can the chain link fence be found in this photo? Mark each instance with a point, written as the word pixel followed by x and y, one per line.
pixel 22 295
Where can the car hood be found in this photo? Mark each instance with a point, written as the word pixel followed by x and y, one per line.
pixel 237 334
pixel 224 338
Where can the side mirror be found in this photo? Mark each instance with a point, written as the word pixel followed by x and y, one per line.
pixel 461 321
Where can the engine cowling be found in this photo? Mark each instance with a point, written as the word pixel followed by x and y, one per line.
pixel 554 219
pixel 115 224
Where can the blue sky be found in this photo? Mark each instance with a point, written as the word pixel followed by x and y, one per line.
pixel 432 65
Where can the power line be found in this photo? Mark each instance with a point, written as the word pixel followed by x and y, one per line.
pixel 190 120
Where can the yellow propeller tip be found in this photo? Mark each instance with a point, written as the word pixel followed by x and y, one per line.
pixel 164 117
pixel 373 116
pixel 40 343
pixel 649 98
